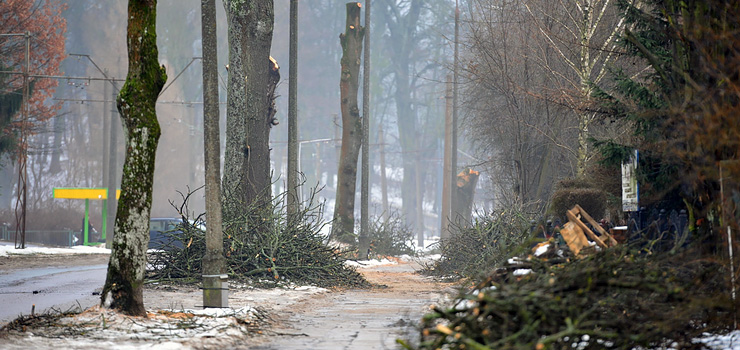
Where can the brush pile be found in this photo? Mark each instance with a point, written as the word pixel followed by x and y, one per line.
pixel 472 251
pixel 390 237
pixel 260 249
pixel 614 299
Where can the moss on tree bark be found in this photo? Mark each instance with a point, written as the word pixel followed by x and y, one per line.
pixel 136 103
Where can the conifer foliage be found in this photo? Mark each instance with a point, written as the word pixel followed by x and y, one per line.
pixel 683 108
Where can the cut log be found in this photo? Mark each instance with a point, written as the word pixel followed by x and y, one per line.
pixel 467 180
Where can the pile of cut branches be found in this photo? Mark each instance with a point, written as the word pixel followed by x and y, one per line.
pixel 391 237
pixel 23 323
pixel 614 299
pixel 473 251
pixel 266 249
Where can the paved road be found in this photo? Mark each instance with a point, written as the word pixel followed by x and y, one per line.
pixel 62 288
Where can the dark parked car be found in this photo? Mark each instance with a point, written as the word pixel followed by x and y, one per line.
pixel 163 233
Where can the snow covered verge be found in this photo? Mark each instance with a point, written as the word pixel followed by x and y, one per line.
pixel 8 248
pixel 97 328
pixel 391 260
pixel 364 264
pixel 174 321
pixel 729 341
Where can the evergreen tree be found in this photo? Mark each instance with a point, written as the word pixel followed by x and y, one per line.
pixel 683 108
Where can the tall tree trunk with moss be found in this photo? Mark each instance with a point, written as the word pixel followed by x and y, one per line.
pixel 136 103
pixel 213 262
pixel 351 40
pixel 253 76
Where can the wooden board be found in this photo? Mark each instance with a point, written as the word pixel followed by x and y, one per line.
pixel 574 237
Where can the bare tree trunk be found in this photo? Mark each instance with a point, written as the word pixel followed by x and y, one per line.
pixel 404 37
pixel 351 40
pixel 136 102
pixel 465 188
pixel 213 262
pixel 253 76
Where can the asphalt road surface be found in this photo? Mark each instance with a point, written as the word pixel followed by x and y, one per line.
pixel 61 288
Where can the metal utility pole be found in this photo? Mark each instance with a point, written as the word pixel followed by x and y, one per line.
pixel 112 201
pixel 453 156
pixel 364 239
pixel 420 206
pixel 383 176
pixel 337 146
pixel 106 143
pixel 111 149
pixel 106 160
pixel 447 166
pixel 293 113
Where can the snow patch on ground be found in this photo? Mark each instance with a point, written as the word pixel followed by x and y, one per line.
pixel 729 341
pixel 542 249
pixel 8 248
pixel 184 329
pixel 369 263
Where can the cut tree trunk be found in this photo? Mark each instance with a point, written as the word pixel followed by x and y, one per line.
pixel 351 40
pixel 253 76
pixel 466 182
pixel 136 103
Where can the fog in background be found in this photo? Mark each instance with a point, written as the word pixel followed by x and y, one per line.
pixel 412 79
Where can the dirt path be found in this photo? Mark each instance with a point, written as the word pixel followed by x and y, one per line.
pixel 359 319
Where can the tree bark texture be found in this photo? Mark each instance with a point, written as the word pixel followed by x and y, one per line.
pixel 351 40
pixel 136 103
pixel 213 262
pixel 467 180
pixel 253 76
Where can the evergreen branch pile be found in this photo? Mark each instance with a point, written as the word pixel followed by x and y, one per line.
pixel 615 299
pixel 265 248
pixel 473 251
pixel 391 237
